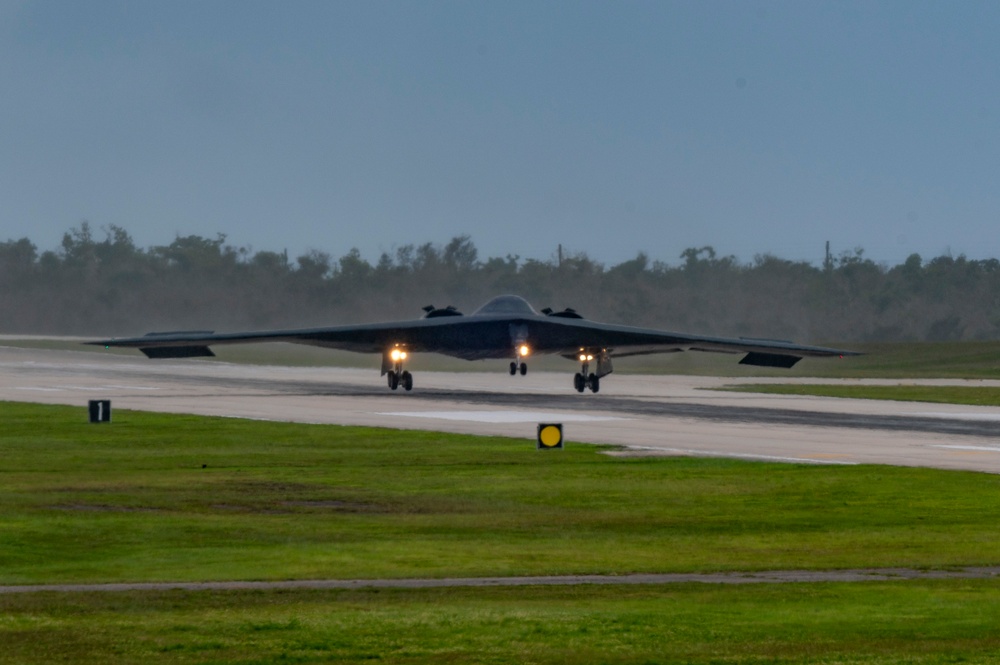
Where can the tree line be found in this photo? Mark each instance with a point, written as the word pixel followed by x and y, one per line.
pixel 103 284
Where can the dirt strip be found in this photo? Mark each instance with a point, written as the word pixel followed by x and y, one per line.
pixel 764 577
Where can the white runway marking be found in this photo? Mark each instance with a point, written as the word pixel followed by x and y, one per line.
pixel 695 452
pixel 502 416
pixel 59 389
pixel 990 449
pixel 64 388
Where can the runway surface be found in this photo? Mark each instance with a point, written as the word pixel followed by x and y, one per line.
pixel 666 415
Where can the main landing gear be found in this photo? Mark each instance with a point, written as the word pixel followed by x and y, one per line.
pixel 515 368
pixel 401 378
pixel 397 376
pixel 585 378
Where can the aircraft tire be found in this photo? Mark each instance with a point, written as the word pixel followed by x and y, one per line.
pixel 393 380
pixel 524 368
pixel 407 381
pixel 579 382
pixel 595 383
pixel 513 368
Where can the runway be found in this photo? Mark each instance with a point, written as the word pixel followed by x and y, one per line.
pixel 661 415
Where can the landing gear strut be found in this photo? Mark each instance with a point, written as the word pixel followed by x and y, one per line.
pixel 585 378
pixel 397 376
pixel 518 365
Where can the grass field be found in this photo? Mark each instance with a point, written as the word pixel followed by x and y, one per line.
pixel 161 497
pixel 972 395
pixel 901 622
pixel 158 497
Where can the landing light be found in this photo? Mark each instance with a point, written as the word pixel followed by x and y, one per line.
pixel 523 350
pixel 584 357
pixel 397 354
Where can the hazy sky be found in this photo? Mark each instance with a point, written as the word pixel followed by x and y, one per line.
pixel 608 127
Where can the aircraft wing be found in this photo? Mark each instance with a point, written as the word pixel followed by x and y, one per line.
pixel 416 335
pixel 475 337
pixel 620 341
pixel 505 327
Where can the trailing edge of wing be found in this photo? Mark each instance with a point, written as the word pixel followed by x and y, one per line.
pixel 176 351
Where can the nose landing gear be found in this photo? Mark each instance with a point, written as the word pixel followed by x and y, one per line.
pixel 518 364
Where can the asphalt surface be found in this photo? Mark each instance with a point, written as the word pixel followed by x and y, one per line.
pixel 664 415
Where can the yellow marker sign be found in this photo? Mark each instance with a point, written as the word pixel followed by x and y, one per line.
pixel 550 435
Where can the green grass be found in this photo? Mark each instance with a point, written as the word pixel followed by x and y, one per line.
pixel 161 497
pixel 973 395
pixel 958 360
pixel 911 622
pixel 132 501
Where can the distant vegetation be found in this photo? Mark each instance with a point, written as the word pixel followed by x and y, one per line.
pixel 95 285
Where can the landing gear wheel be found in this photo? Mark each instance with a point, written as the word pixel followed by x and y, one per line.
pixel 524 368
pixel 392 379
pixel 407 381
pixel 595 383
pixel 579 382
pixel 513 368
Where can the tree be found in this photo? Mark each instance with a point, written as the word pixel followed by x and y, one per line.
pixel 18 257
pixel 314 265
pixel 199 255
pixel 460 254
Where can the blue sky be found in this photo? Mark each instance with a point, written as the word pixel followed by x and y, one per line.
pixel 607 127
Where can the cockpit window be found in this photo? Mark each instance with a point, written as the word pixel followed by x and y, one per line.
pixel 506 305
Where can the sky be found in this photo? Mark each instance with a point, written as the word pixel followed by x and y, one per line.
pixel 610 128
